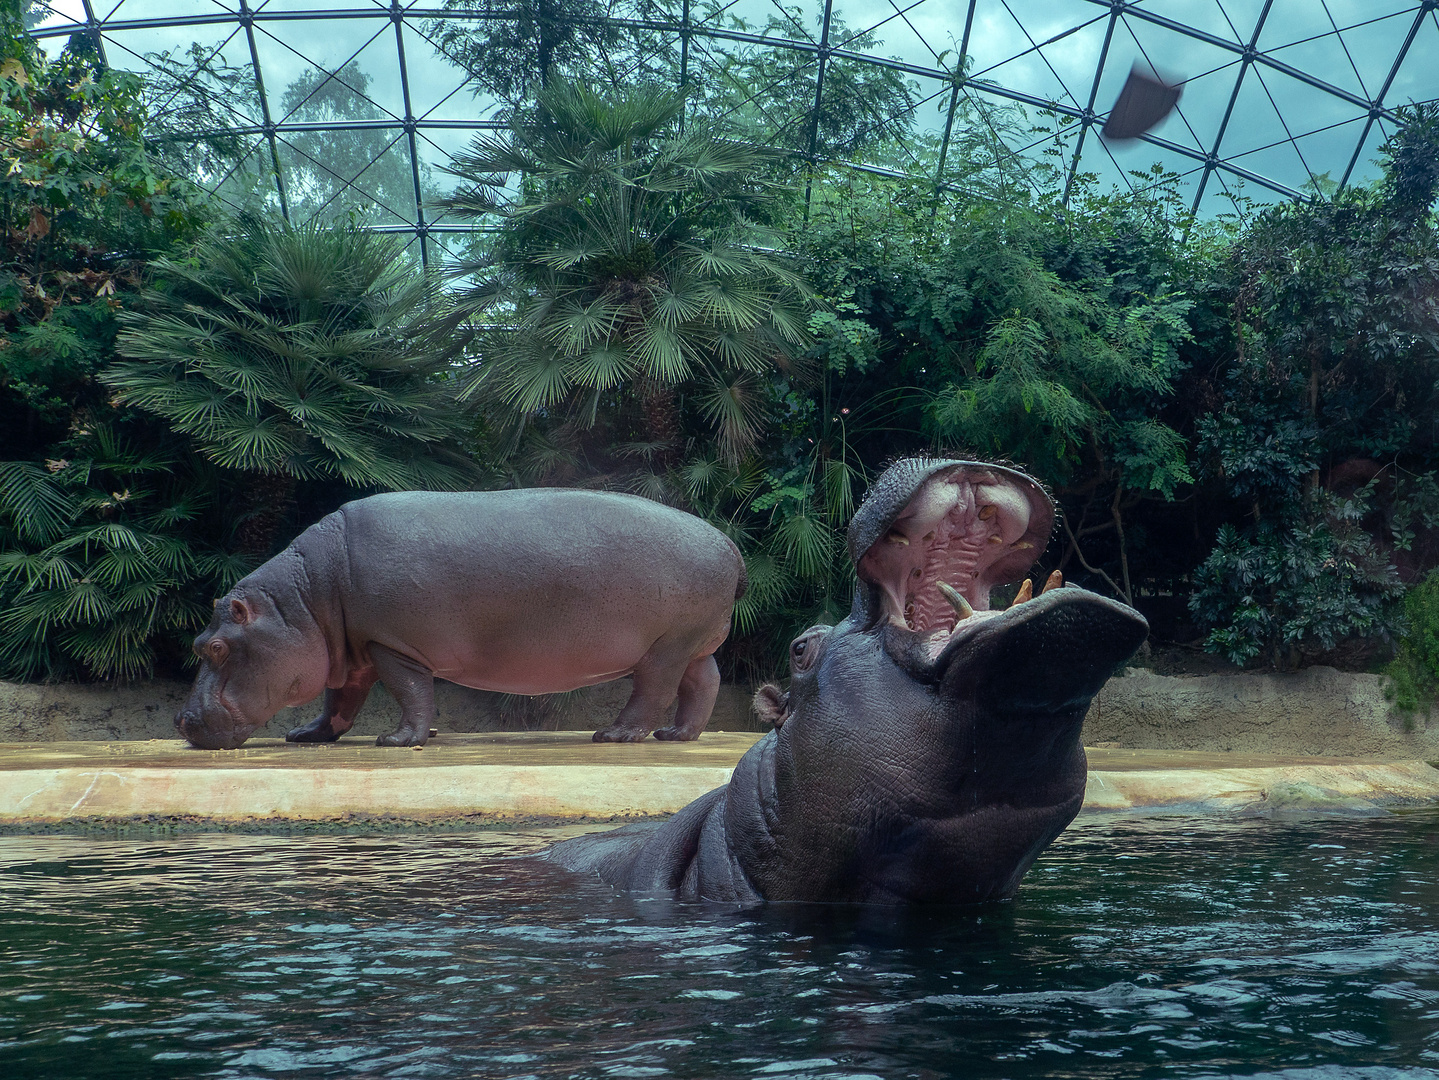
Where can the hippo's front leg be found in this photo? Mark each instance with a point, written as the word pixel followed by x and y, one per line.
pixel 413 687
pixel 338 713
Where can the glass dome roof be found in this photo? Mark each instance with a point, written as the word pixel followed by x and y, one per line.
pixel 320 107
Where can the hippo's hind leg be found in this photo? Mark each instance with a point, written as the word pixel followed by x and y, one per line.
pixel 667 670
pixel 338 713
pixel 657 679
pixel 698 690
pixel 413 687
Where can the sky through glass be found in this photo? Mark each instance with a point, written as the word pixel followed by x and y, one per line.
pixel 322 107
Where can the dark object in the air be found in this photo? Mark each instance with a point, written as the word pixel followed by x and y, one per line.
pixel 528 592
pixel 1144 101
pixel 927 749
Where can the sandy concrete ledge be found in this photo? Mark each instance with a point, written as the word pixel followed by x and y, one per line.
pixel 479 779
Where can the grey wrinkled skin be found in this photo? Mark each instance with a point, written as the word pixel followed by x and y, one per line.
pixel 918 759
pixel 526 592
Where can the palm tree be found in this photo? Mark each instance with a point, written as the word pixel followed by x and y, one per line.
pixel 299 353
pixel 629 268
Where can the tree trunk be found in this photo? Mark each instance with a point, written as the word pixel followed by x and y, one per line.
pixel 662 420
pixel 266 505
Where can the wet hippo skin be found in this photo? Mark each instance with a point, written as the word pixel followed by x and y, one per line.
pixel 927 749
pixel 527 592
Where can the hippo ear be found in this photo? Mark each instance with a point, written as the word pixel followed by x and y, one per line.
pixel 241 612
pixel 771 704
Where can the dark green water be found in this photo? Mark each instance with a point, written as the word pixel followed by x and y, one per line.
pixel 1307 950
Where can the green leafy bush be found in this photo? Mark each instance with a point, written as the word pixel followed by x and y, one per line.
pixel 1413 674
pixel 1270 590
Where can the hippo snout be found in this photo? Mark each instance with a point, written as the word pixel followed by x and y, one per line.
pixel 191 725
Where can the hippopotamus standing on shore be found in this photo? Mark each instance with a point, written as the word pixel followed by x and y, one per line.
pixel 928 748
pixel 534 591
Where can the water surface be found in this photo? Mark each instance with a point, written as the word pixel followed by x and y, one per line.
pixel 1137 948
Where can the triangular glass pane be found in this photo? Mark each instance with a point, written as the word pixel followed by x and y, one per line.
pixel 1316 48
pixel 1328 149
pixel 331 174
pixel 204 84
pixel 55 14
pixel 1233 20
pixel 440 88
pixel 915 33
pixel 1418 76
pixel 1373 42
pixel 247 182
pixel 339 72
pixel 1255 122
pixel 1366 165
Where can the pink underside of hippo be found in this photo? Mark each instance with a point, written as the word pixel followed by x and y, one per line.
pixel 532 591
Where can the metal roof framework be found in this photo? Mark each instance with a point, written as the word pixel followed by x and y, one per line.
pixel 1235 53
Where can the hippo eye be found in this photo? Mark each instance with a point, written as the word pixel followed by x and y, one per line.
pixel 801 654
pixel 217 650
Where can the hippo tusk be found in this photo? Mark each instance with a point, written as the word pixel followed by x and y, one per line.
pixel 1026 592
pixel 987 511
pixel 956 600
pixel 1054 581
pixel 898 538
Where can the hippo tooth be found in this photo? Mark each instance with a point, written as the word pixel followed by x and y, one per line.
pixel 988 511
pixel 996 539
pixel 1026 592
pixel 898 538
pixel 1054 581
pixel 956 600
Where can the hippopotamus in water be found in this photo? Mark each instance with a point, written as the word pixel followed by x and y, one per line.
pixel 528 592
pixel 928 748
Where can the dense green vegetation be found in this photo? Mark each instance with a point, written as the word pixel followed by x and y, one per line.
pixel 1237 416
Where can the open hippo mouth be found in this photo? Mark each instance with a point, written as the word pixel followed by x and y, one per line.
pixel 934 537
pixel 931 541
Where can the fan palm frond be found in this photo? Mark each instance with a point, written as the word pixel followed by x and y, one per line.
pixel 279 348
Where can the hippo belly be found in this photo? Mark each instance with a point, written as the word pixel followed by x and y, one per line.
pixel 491 640
pixel 504 602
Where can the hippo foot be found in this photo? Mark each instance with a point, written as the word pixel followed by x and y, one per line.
pixel 619 734
pixel 674 733
pixel 403 737
pixel 317 730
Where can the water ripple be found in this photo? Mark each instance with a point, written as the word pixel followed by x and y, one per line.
pixel 1295 950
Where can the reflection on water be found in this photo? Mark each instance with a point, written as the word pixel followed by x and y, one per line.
pixel 1308 950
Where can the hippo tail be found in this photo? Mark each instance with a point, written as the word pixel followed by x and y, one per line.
pixel 742 585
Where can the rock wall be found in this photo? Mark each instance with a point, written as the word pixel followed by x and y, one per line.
pixel 1315 711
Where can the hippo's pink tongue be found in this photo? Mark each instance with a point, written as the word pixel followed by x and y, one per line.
pixel 964 528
